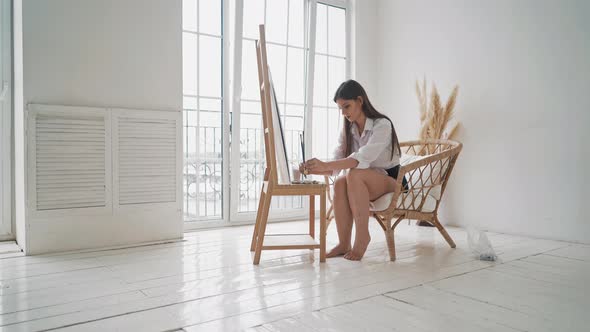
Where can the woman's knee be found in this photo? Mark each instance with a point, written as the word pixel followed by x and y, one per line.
pixel 355 175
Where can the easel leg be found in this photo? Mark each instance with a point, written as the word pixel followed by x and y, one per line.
pixel 262 227
pixel 257 224
pixel 312 216
pixel 258 213
pixel 323 226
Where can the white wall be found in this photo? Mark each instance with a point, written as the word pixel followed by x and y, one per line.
pixel 524 71
pixel 365 46
pixel 103 53
pixel 107 53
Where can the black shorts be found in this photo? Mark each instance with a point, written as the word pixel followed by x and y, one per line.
pixel 393 172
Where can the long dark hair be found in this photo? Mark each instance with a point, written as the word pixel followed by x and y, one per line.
pixel 351 90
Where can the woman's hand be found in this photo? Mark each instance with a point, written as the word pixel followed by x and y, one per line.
pixel 315 166
pixel 302 170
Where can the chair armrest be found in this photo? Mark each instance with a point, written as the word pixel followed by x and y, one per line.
pixel 409 167
pixel 417 199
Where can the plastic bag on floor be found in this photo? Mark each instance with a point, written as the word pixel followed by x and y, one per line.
pixel 480 245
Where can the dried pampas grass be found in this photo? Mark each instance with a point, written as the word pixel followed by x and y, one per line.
pixel 434 118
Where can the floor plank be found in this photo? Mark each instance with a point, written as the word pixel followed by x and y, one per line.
pixel 207 283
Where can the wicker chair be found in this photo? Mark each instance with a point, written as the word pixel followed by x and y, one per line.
pixel 427 166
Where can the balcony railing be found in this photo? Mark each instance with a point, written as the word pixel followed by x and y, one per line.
pixel 202 181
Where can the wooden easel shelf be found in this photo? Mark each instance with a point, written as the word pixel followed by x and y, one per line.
pixel 296 189
pixel 289 241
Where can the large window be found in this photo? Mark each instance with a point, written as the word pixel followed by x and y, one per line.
pixel 213 116
pixel 202 38
pixel 5 119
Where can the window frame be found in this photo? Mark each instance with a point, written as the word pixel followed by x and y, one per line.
pixel 7 227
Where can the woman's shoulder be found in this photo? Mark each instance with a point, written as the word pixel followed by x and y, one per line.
pixel 382 123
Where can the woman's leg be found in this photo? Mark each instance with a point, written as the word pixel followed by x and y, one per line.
pixel 363 186
pixel 343 218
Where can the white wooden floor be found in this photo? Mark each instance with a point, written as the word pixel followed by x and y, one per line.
pixel 208 283
pixel 9 249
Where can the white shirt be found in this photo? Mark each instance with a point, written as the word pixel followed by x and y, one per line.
pixel 372 148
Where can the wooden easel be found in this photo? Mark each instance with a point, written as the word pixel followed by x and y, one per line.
pixel 271 187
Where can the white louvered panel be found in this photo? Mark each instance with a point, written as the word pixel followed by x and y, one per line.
pixel 146 160
pixel 69 161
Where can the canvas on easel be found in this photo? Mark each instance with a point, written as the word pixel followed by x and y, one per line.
pixel 283 174
pixel 276 180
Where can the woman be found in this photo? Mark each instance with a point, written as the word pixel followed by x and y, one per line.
pixel 368 147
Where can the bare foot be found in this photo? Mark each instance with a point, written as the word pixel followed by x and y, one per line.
pixel 361 242
pixel 338 250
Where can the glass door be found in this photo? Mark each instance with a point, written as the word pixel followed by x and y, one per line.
pixel 330 71
pixel 204 132
pixel 285 26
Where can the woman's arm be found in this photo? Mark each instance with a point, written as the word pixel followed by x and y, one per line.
pixel 340 162
pixel 377 144
pixel 345 163
pixel 316 166
pixel 303 169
